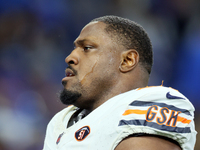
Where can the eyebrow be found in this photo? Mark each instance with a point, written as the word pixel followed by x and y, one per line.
pixel 81 42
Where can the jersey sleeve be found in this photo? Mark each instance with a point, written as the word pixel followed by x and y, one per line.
pixel 160 111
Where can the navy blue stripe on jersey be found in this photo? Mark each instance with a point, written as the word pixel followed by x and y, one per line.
pixel 154 125
pixel 144 104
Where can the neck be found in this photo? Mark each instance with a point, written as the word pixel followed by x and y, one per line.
pixel 123 83
pixel 116 90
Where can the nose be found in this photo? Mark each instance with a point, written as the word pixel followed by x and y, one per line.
pixel 72 58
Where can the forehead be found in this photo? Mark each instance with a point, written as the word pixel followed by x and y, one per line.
pixel 94 31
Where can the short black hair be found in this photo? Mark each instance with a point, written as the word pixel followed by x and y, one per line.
pixel 131 35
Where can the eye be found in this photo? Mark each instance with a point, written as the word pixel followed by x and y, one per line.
pixel 86 48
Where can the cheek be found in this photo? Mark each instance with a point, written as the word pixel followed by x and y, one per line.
pixel 112 62
pixel 88 70
pixel 103 65
pixel 108 67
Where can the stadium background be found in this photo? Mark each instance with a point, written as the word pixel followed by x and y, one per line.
pixel 37 35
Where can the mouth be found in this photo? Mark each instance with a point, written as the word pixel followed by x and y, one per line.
pixel 69 73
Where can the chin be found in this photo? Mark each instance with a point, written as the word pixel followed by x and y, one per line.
pixel 68 97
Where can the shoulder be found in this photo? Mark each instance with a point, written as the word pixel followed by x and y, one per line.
pixel 159 97
pixel 56 123
pixel 160 111
pixel 166 95
pixel 59 117
pixel 56 126
pixel 161 91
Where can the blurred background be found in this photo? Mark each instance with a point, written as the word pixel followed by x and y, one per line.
pixel 37 35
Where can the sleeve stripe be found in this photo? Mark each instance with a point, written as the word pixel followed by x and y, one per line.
pixel 134 111
pixel 144 104
pixel 155 125
pixel 144 112
pixel 183 120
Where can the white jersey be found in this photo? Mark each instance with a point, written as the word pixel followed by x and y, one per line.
pixel 152 110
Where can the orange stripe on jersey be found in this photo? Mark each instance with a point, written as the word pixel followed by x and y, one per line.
pixel 134 111
pixel 183 120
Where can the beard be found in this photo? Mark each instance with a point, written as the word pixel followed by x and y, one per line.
pixel 68 97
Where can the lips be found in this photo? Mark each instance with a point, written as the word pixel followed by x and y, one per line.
pixel 69 73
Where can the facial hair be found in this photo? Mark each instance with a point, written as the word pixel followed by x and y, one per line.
pixel 68 97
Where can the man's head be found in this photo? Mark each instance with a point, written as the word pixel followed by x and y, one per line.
pixel 131 35
pixel 109 58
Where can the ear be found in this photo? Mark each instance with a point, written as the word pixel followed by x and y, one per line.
pixel 129 60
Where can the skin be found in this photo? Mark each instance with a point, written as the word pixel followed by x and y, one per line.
pixel 102 66
pixel 104 70
pixel 146 143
